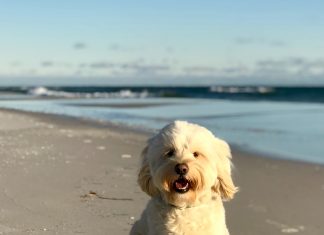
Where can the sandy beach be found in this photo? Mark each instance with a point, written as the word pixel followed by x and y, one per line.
pixel 66 176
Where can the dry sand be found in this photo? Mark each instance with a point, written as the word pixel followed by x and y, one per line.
pixel 66 176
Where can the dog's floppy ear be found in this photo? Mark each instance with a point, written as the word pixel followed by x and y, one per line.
pixel 224 184
pixel 144 176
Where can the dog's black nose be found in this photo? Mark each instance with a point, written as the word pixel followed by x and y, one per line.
pixel 181 169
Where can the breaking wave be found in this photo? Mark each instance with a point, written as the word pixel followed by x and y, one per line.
pixel 259 93
pixel 123 93
pixel 237 89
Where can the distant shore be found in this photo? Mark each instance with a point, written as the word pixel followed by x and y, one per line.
pixel 64 175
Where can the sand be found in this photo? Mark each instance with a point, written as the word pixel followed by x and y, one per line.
pixel 62 175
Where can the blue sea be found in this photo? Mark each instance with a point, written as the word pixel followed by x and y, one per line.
pixel 283 122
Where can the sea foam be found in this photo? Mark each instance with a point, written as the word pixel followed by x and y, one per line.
pixel 123 93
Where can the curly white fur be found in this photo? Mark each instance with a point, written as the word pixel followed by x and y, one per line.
pixel 199 208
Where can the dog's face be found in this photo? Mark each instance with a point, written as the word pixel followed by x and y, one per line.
pixel 185 163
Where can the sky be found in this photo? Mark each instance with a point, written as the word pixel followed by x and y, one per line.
pixel 161 42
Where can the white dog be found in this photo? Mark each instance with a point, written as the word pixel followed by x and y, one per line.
pixel 187 172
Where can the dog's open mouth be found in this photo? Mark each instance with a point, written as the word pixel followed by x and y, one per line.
pixel 181 185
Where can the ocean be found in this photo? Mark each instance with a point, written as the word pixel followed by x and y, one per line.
pixel 282 122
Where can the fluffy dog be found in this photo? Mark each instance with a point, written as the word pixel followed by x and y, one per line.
pixel 187 172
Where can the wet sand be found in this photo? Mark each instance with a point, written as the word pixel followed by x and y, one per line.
pixel 66 176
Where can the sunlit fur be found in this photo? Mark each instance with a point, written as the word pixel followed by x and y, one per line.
pixel 199 210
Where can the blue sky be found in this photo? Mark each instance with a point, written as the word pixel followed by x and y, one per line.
pixel 161 42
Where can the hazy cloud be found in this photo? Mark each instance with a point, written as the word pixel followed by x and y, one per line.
pixel 227 71
pixel 292 67
pixel 56 64
pixel 79 46
pixel 259 41
pixel 235 70
pixel 169 50
pixel 144 69
pixel 119 48
pixel 16 64
pixel 199 70
pixel 136 66
pixel 101 65
pixel 130 68
pixel 114 47
pixel 293 61
pixel 82 65
pixel 47 64
pixel 245 41
pixel 282 69
pixel 277 43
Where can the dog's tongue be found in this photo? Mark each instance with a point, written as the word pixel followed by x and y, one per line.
pixel 181 184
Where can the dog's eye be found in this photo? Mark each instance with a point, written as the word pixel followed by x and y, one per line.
pixel 170 153
pixel 196 154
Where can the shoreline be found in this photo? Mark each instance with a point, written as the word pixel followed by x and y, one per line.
pixel 68 120
pixel 122 127
pixel 65 175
